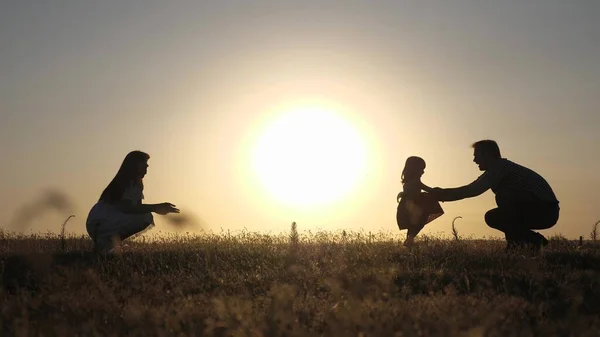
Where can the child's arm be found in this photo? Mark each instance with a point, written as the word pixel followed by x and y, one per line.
pixel 426 188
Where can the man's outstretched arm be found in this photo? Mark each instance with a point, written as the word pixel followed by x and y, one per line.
pixel 474 189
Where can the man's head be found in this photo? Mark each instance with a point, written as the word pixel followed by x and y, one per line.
pixel 485 153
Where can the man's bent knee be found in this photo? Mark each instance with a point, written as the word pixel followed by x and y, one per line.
pixel 493 219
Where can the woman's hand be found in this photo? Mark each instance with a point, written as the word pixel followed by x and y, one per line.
pixel 166 208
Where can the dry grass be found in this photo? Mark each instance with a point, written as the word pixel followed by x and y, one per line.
pixel 324 284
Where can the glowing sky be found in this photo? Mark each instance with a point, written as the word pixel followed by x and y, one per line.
pixel 193 82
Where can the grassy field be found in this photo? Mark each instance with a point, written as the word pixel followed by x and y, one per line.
pixel 320 284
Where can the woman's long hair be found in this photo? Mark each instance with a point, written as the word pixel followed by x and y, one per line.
pixel 412 168
pixel 128 173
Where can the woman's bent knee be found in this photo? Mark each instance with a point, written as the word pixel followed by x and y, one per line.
pixel 148 218
pixel 135 225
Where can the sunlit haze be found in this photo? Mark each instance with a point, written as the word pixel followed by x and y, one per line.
pixel 260 113
pixel 309 157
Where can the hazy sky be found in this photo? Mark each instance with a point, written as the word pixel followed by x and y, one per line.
pixel 193 83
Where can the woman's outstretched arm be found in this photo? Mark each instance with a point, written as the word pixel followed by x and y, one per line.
pixel 127 206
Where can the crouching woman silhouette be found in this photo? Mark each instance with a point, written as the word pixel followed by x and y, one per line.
pixel 119 213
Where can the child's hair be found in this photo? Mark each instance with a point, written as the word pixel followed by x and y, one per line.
pixel 412 168
pixel 128 173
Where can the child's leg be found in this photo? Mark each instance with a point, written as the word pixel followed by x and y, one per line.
pixel 413 231
pixel 409 240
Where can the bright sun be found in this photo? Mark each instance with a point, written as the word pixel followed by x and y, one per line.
pixel 309 157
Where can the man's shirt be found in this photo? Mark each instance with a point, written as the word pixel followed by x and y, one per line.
pixel 503 175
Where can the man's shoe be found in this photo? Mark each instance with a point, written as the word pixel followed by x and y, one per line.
pixel 511 246
pixel 540 240
pixel 537 243
pixel 544 241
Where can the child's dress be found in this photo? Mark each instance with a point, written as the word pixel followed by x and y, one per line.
pixel 105 223
pixel 416 208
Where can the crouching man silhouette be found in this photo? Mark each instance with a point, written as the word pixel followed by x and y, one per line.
pixel 525 200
